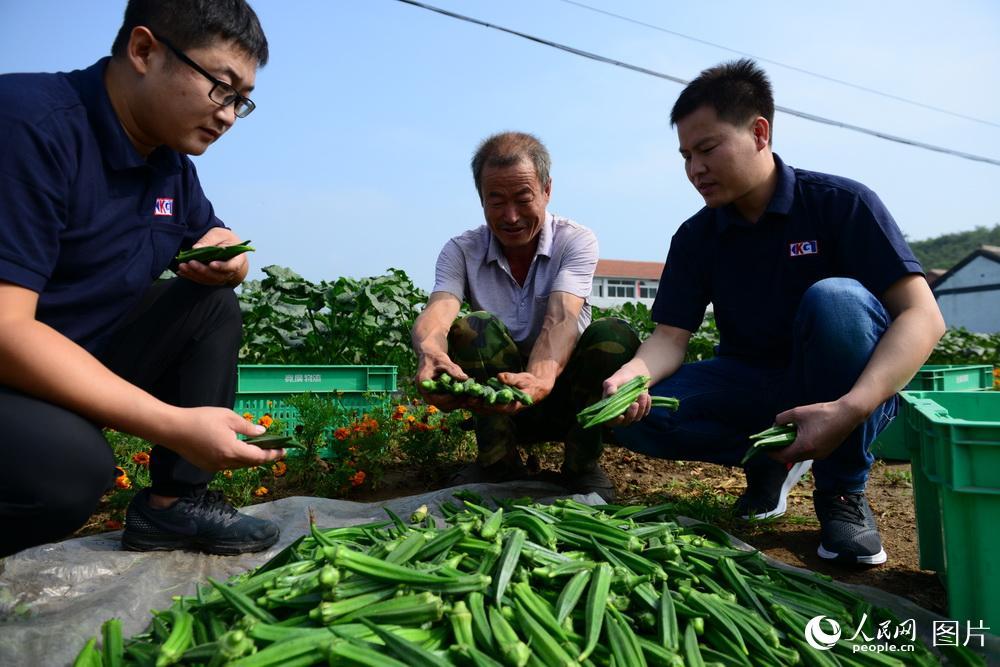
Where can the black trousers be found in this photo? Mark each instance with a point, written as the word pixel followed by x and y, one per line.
pixel 180 344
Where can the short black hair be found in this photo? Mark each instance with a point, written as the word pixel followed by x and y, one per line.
pixel 191 24
pixel 738 91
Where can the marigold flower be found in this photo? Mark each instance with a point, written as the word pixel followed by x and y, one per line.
pixel 142 458
pixel 248 416
pixel 342 433
pixel 411 419
pixel 431 410
pixel 400 409
pixel 279 469
pixel 261 491
pixel 265 421
pixel 122 481
pixel 228 474
pixel 358 478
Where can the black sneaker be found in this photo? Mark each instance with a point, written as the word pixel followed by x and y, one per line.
pixel 594 480
pixel 768 485
pixel 476 473
pixel 848 532
pixel 203 522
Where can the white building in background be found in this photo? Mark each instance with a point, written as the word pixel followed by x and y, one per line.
pixel 617 281
pixel 969 293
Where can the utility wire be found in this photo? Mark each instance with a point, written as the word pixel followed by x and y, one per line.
pixel 873 91
pixel 675 79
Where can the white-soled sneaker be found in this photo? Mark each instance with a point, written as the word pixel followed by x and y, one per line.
pixel 848 532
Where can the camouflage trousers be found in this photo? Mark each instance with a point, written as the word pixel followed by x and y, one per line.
pixel 482 345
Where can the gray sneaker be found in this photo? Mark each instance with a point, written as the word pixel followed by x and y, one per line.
pixel 202 522
pixel 848 532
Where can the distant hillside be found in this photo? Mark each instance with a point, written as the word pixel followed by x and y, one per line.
pixel 943 252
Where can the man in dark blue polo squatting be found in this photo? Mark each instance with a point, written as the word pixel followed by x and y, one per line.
pixel 823 315
pixel 97 196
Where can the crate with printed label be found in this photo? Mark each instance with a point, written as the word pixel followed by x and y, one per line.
pixel 262 389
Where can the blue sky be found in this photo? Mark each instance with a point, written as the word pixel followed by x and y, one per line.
pixel 356 158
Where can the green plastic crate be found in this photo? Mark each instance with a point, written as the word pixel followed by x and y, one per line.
pixel 280 379
pixel 955 440
pixel 263 389
pixel 931 377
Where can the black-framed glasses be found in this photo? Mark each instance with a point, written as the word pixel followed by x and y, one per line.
pixel 222 93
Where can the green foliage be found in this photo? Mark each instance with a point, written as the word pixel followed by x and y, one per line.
pixel 290 320
pixel 635 313
pixel 316 413
pixel 431 438
pixel 943 252
pixel 702 343
pixel 961 346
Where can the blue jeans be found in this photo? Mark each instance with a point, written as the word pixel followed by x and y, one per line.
pixel 725 399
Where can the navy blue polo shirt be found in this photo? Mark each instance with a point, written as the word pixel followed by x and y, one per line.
pixel 85 220
pixel 816 226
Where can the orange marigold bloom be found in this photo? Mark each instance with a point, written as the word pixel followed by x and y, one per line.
pixel 400 409
pixel 279 469
pixel 122 481
pixel 142 458
pixel 228 474
pixel 261 491
pixel 265 421
pixel 358 478
pixel 342 433
pixel 248 416
pixel 432 410
pixel 411 419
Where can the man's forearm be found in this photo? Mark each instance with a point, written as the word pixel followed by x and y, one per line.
pixel 661 354
pixel 428 336
pixel 552 349
pixel 904 347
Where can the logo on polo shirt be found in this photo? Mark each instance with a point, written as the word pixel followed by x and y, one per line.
pixel 800 248
pixel 164 206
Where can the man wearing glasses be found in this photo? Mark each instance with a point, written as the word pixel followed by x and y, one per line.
pixel 97 196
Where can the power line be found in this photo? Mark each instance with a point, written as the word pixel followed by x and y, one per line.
pixel 675 79
pixel 873 91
